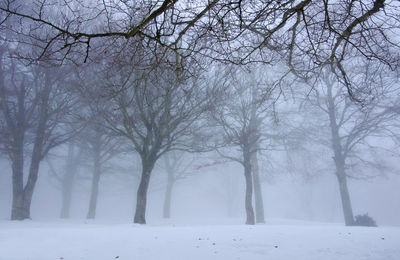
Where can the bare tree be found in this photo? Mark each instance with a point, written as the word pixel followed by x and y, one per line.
pixel 351 127
pixel 157 112
pixel 248 104
pixel 34 107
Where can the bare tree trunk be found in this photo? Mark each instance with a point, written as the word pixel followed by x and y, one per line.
pixel 168 196
pixel 66 191
pixel 250 219
pixel 94 195
pixel 339 159
pixel 345 196
pixel 141 202
pixel 141 199
pixel 66 194
pixel 259 203
pixel 17 211
pixel 22 203
pixel 32 178
pixel 95 184
pixel 22 198
pixel 71 168
pixel 20 208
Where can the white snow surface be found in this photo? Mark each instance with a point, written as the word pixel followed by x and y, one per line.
pixel 275 240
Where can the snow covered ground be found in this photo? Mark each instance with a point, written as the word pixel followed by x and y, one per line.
pixel 276 240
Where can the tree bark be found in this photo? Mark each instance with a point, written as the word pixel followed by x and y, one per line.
pixel 29 187
pixel 95 183
pixel 141 201
pixel 66 194
pixel 20 208
pixel 33 171
pixel 22 196
pixel 340 160
pixel 71 168
pixel 345 197
pixel 259 203
pixel 18 212
pixel 168 196
pixel 250 218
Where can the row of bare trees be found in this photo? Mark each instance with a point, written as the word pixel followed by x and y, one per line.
pixel 163 110
pixel 245 116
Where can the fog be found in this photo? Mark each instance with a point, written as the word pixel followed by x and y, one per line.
pixel 204 197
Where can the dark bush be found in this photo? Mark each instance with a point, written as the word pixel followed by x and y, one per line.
pixel 364 220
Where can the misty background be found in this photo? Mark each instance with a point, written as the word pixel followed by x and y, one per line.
pixel 204 195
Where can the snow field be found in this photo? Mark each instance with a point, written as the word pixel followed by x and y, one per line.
pixel 35 240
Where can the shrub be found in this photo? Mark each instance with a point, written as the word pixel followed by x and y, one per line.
pixel 364 220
